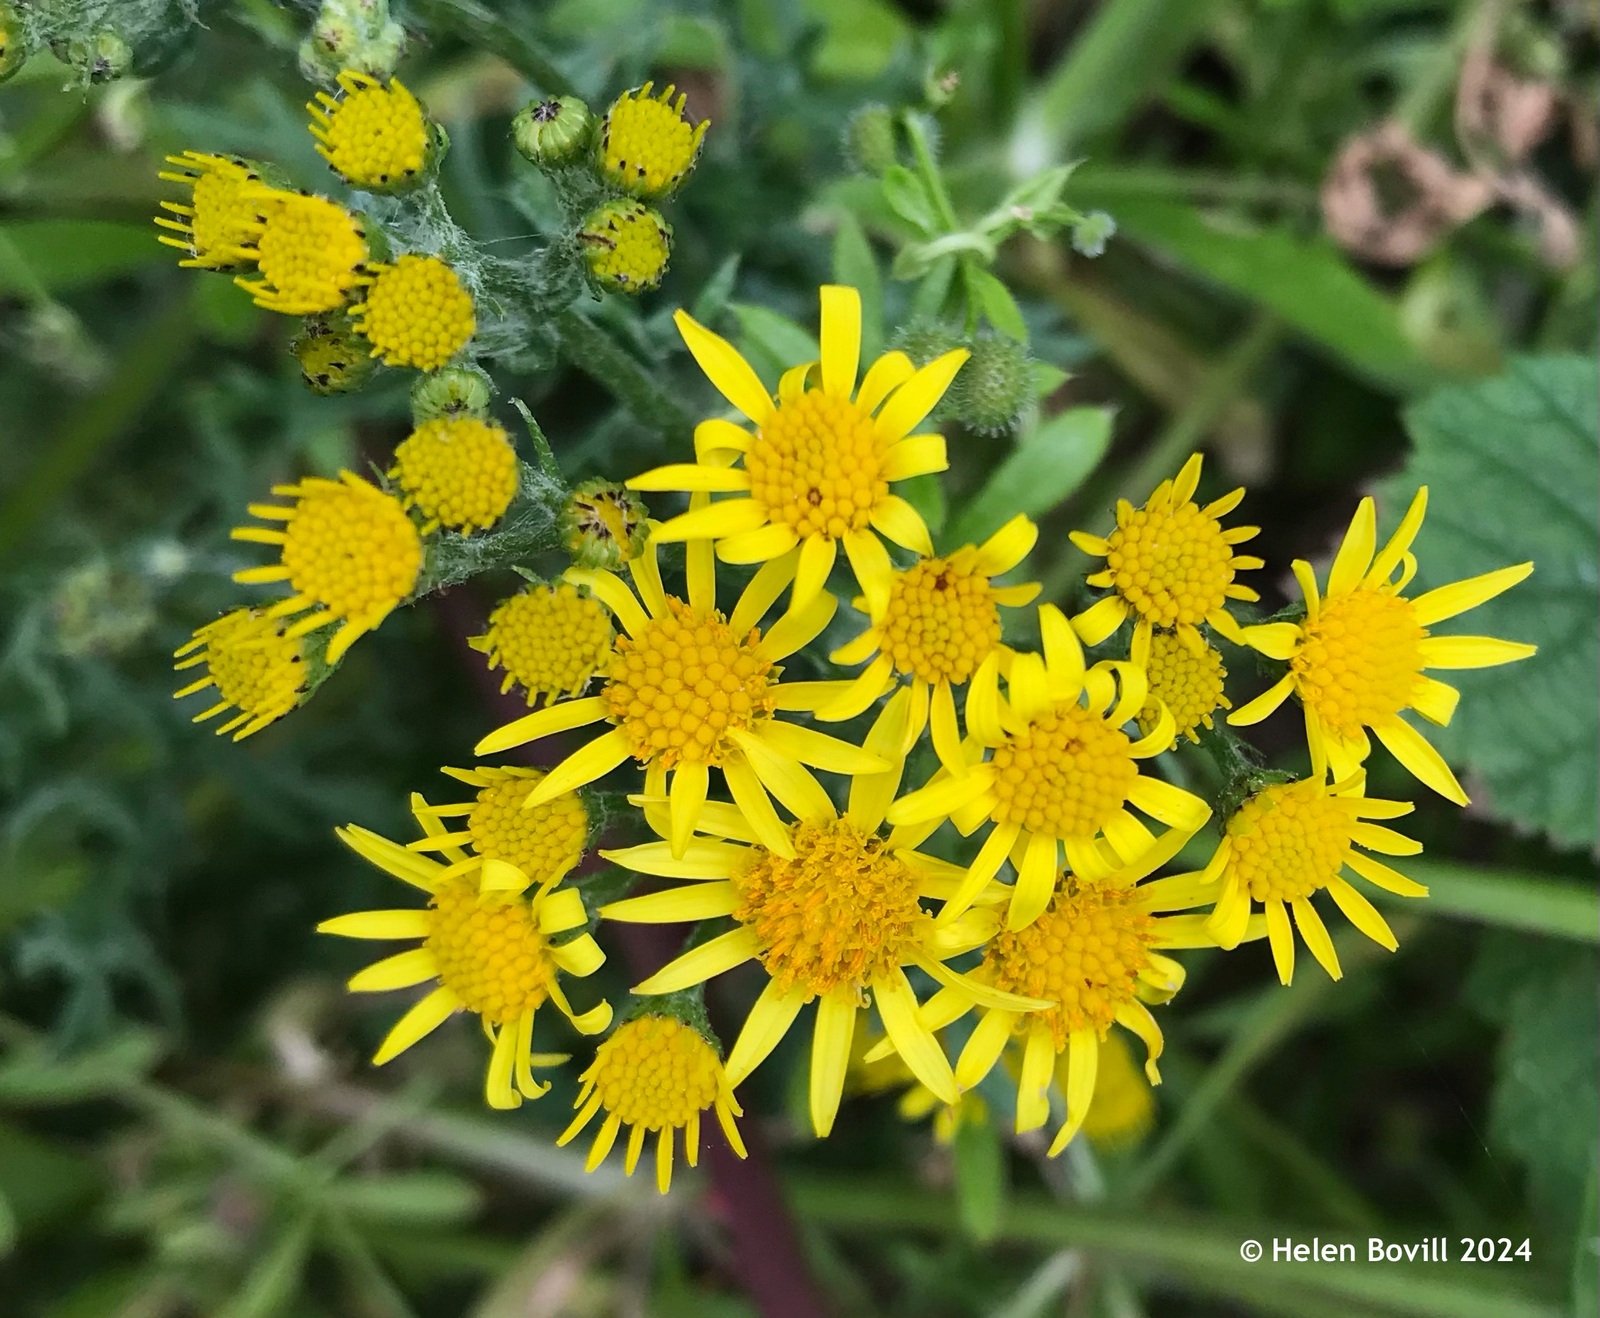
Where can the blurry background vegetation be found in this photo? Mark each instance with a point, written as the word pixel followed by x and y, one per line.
pixel 1354 250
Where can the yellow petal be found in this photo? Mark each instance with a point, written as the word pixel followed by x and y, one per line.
pixel 1171 805
pixel 706 961
pixel 817 555
pixel 756 807
pixel 718 435
pixel 1097 622
pixel 1350 564
pixel 897 1008
pixel 984 1046
pixel 1264 704
pixel 1472 651
pixel 379 924
pixel 717 521
pixel 1362 913
pixel 918 396
pixel 1038 1061
pixel 819 750
pixel 396 972
pixel 1276 640
pixel 1008 546
pixel 763 544
pixel 423 1018
pixel 762 592
pixel 700 860
pixel 769 1020
pixel 1083 1061
pixel 726 369
pixel 563 716
pixel 1409 746
pixel 691 476
pixel 830 1055
pixel 841 339
pixel 884 376
pixel 693 901
pixel 783 776
pixel 917 455
pixel 1459 596
pixel 1316 935
pixel 893 517
pixel 1400 542
pixel 1281 937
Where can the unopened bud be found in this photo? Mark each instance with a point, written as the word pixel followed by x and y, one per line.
pixel 626 246
pixel 870 141
pixel 553 133
pixel 452 391
pixel 333 358
pixel 603 525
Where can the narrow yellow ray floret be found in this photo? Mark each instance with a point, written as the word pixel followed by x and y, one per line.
pixel 655 1073
pixel 938 623
pixel 1059 776
pixel 253 664
pixel 1169 564
pixel 310 252
pixel 223 214
pixel 688 689
pixel 504 844
pixel 491 953
pixel 834 913
pixel 816 469
pixel 1360 656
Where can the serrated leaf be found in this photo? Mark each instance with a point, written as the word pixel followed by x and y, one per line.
pixel 1511 465
pixel 1049 464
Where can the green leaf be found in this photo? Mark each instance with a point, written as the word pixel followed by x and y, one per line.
pixel 1586 1252
pixel 926 495
pixel 42 1182
pixel 1511 465
pixel 909 200
pixel 1306 282
pixel 771 341
pixel 43 257
pixel 980 1162
pixel 36 1077
pixel 1050 463
pixel 275 1279
pixel 855 266
pixel 423 1198
pixel 994 299
pixel 1509 899
pixel 859 38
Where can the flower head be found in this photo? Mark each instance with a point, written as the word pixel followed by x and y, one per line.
pixel 647 147
pixel 375 137
pixel 553 133
pixel 1187 681
pixel 256 667
pixel 603 525
pixel 223 215
pixel 626 246
pixel 816 470
pixel 1358 658
pixel 1290 839
pixel 1169 564
pixel 415 312
pixel 348 551
pixel 936 622
pixel 834 911
pixel 460 473
pixel 310 252
pixel 1097 953
pixel 1060 774
pixel 654 1073
pixel 333 357
pixel 689 689
pixel 491 953
pixel 551 639
pixel 506 846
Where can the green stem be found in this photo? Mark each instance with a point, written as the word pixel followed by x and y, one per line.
pixel 1509 899
pixel 379 1294
pixel 592 351
pixel 480 26
pixel 928 171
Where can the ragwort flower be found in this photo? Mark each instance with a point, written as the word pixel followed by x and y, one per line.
pixel 256 666
pixel 506 845
pixel 348 551
pixel 654 1073
pixel 936 622
pixel 688 689
pixel 458 472
pixel 376 136
pixel 1358 658
pixel 223 215
pixel 310 252
pixel 414 312
pixel 491 953
pixel 1169 564
pixel 816 470
pixel 1060 774
pixel 1187 681
pixel 647 146
pixel 551 639
pixel 832 914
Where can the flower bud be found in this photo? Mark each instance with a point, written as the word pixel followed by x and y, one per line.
pixel 100 57
pixel 452 391
pixel 13 40
pixel 553 133
pixel 1092 232
pixel 994 386
pixel 603 525
pixel 626 246
pixel 870 140
pixel 333 358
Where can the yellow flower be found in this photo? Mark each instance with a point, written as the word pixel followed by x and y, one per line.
pixel 626 246
pixel 831 914
pixel 510 847
pixel 374 137
pixel 310 252
pixel 1290 839
pixel 1187 681
pixel 647 147
pixel 816 470
pixel 1169 564
pixel 1124 1106
pixel 414 312
pixel 551 639
pixel 1060 775
pixel 348 551
pixel 887 1070
pixel 1097 954
pixel 1359 656
pixel 223 215
pixel 936 622
pixel 654 1073
pixel 256 667
pixel 490 953
pixel 458 472
pixel 688 690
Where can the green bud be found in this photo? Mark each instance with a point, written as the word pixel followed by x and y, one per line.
pixel 626 246
pixel 450 392
pixel 992 389
pixel 553 133
pixel 101 57
pixel 1092 232
pixel 923 340
pixel 940 87
pixel 13 40
pixel 870 139
pixel 603 525
pixel 333 358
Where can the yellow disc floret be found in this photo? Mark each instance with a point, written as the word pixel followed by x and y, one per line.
pixel 647 147
pixel 942 619
pixel 544 841
pixel 1359 659
pixel 1171 564
pixel 374 136
pixel 489 950
pixel 684 683
pixel 1187 681
pixel 655 1072
pixel 550 639
pixel 626 246
pixel 817 466
pixel 310 252
pixel 842 912
pixel 255 666
pixel 1066 774
pixel 459 472
pixel 224 213
pixel 1290 839
pixel 415 312
pixel 1084 954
